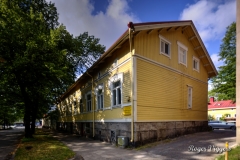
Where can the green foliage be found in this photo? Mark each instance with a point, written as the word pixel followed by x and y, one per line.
pixel 233 154
pixel 223 118
pixel 42 147
pixel 225 82
pixel 217 96
pixel 211 118
pixel 38 57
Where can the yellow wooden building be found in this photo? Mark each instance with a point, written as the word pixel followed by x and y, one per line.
pixel 224 109
pixel 151 83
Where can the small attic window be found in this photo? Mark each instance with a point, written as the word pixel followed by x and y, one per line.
pixel 115 62
pixel 165 46
pixel 195 64
pixel 99 75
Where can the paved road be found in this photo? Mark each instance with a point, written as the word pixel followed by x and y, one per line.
pixel 177 148
pixel 188 146
pixel 9 141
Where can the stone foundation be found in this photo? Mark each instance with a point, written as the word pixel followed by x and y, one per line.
pixel 154 131
pixel 144 132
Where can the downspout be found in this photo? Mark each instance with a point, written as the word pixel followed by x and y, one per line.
pixel 92 94
pixel 130 30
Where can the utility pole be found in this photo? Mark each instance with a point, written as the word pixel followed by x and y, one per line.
pixel 238 72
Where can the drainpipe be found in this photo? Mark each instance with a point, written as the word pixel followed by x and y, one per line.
pixel 130 30
pixel 92 94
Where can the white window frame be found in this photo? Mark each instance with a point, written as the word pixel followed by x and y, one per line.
pixel 99 87
pixel 98 75
pixel 165 41
pixel 115 78
pixel 197 60
pixel 115 63
pixel 189 96
pixel 180 54
pixel 89 108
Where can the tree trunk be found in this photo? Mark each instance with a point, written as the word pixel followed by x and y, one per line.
pixel 27 109
pixel 28 133
pixel 34 115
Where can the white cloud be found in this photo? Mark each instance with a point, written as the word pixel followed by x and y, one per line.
pixel 215 60
pixel 211 17
pixel 77 16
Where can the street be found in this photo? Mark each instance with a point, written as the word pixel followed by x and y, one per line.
pixel 9 140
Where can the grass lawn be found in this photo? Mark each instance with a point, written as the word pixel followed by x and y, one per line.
pixel 234 154
pixel 42 147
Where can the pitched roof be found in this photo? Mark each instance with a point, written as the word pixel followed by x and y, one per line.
pixel 187 27
pixel 224 104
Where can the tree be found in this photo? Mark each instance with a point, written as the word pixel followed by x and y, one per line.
pixel 39 58
pixel 225 82
pixel 210 118
pixel 218 96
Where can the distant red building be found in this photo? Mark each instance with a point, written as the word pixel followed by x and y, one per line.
pixel 220 108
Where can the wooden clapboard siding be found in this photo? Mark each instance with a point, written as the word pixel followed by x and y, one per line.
pixel 107 70
pixel 162 82
pixel 148 45
pixel 162 93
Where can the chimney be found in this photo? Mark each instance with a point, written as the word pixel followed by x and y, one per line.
pixel 211 99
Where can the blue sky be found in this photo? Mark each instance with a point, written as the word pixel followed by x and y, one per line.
pixel 107 19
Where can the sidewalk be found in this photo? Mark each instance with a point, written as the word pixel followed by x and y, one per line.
pixel 88 149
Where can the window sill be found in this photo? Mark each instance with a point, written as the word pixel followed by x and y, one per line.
pixel 117 106
pixel 165 54
pixel 196 70
pixel 183 64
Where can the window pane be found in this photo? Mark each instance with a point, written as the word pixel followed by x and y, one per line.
pixel 166 48
pixel 119 95
pixel 116 84
pixel 99 91
pixel 184 57
pixel 89 97
pixel 101 101
pixel 98 100
pixel 114 97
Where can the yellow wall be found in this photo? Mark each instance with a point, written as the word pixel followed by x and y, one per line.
pixel 220 112
pixel 107 71
pixel 162 95
pixel 162 81
pixel 148 45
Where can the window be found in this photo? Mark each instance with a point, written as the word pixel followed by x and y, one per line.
pixel 99 75
pixel 99 91
pixel 189 97
pixel 116 93
pixel 75 107
pixel 81 105
pixel 165 46
pixel 70 108
pixel 195 64
pixel 115 85
pixel 115 63
pixel 89 101
pixel 100 99
pixel 182 53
